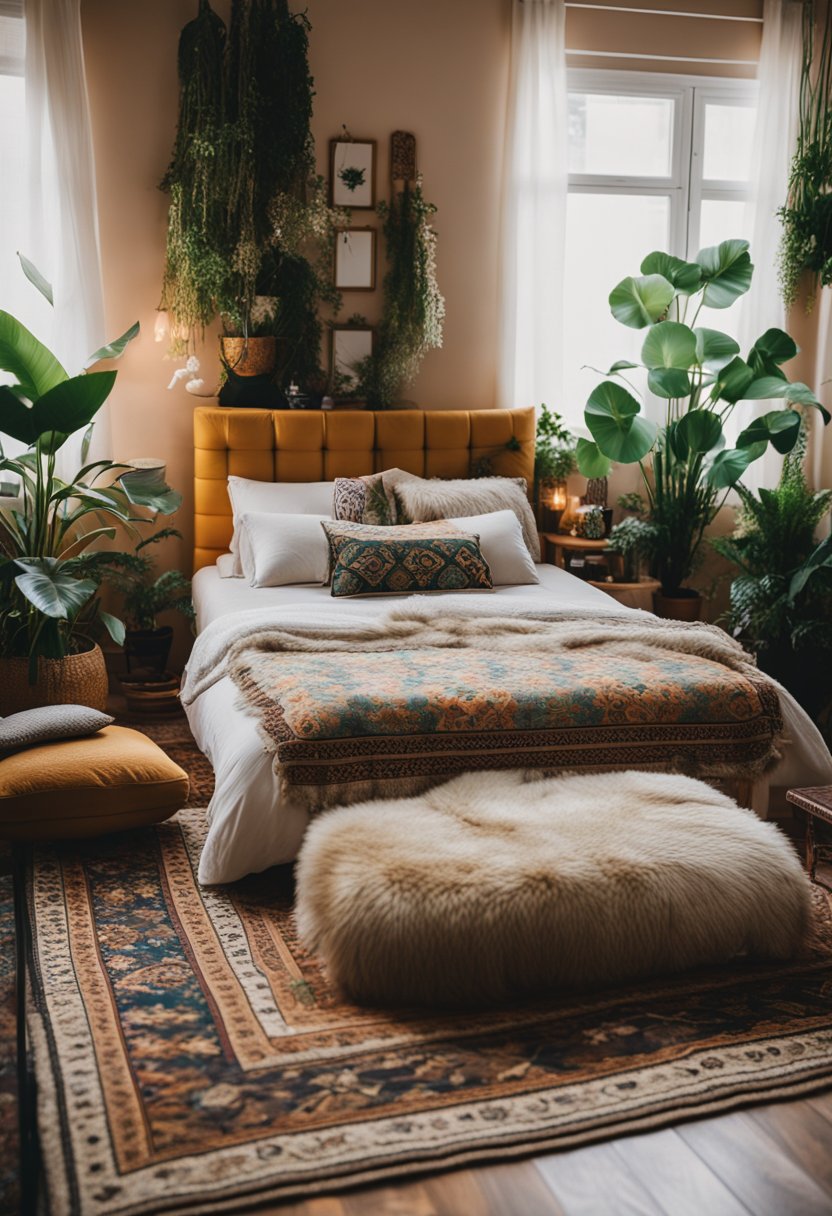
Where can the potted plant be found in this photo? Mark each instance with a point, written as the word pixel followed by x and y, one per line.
pixel 250 235
pixel 49 608
pixel 634 538
pixel 781 602
pixel 699 376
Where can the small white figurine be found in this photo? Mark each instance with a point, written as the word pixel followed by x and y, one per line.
pixel 188 372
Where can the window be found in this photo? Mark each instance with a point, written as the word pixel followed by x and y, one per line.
pixel 655 162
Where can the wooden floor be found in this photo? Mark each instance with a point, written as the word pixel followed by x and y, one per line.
pixel 773 1160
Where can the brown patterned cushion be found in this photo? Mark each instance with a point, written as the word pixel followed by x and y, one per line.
pixel 364 500
pixel 417 558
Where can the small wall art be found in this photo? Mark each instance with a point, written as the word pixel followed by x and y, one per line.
pixel 355 259
pixel 352 173
pixel 351 344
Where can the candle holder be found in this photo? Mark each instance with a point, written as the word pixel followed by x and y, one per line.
pixel 551 503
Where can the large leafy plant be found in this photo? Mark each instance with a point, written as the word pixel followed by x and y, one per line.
pixel 146 594
pixel 701 377
pixel 48 603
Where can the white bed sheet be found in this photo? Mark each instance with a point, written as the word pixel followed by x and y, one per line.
pixel 251 827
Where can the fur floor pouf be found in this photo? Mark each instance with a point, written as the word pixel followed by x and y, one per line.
pixel 493 887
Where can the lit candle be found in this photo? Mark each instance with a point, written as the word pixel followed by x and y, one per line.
pixel 559 498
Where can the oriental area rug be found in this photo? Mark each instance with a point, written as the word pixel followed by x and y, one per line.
pixel 191 1056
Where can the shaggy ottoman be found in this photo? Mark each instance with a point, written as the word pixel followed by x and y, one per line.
pixel 492 887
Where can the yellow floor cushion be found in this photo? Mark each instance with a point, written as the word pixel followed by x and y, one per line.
pixel 108 782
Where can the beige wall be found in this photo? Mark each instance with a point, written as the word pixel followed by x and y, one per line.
pixel 438 69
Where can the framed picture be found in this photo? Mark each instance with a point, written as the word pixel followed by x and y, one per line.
pixel 350 345
pixel 355 259
pixel 352 173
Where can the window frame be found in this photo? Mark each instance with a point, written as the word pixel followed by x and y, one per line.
pixel 686 188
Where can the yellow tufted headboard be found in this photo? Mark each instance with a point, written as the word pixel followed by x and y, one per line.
pixel 296 445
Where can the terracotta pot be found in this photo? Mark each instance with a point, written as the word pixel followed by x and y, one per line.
pixel 78 679
pixel 250 356
pixel 678 607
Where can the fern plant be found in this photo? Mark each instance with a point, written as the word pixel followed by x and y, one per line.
pixel 781 603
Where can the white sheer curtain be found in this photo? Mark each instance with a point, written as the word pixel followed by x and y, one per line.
pixel 61 225
pixel 775 136
pixel 535 176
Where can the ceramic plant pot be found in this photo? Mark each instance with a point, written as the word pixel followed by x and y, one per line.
pixel 78 679
pixel 148 649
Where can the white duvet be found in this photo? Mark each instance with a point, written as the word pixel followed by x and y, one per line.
pixel 251 827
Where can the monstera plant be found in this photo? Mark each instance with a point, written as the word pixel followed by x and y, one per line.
pixel 49 608
pixel 701 377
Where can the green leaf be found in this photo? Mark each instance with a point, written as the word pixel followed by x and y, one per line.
pixel 50 590
pixel 800 394
pixel 113 350
pixel 73 403
pixel 591 461
pixel 726 271
pixel 16 419
pixel 729 466
pixel 147 488
pixel 775 345
pixel 821 557
pixel 613 417
pixel 669 344
pixel 668 382
pixel 621 365
pixel 732 381
pixel 35 277
pixel 35 367
pixel 640 302
pixel 714 349
pixel 700 430
pixel 114 626
pixel 766 388
pixel 686 277
pixel 780 428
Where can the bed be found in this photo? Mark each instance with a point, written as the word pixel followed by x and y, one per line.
pixel 252 824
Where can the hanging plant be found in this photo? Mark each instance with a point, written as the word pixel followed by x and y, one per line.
pixel 806 244
pixel 247 214
pixel 414 308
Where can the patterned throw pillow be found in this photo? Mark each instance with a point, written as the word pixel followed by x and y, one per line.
pixel 364 500
pixel 418 558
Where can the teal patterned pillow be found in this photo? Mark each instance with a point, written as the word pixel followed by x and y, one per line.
pixel 419 558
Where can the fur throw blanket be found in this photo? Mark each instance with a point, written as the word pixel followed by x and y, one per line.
pixel 537 691
pixel 489 889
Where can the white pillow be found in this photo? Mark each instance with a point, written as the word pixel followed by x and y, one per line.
pixel 227 566
pixel 276 497
pixel 276 549
pixel 502 546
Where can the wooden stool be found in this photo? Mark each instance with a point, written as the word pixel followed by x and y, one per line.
pixel 816 803
pixel 75 788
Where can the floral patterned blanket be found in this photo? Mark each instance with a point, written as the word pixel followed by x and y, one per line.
pixel 416 698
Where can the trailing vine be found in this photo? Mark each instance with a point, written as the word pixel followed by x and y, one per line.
pixel 806 243
pixel 414 308
pixel 248 216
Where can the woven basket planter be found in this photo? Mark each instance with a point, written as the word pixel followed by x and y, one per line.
pixel 79 679
pixel 250 356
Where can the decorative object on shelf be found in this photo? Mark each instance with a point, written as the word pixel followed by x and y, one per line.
pixel 402 159
pixel 781 602
pixel 597 490
pixel 352 348
pixel 248 218
pixel 352 172
pixel 50 612
pixel 355 259
pixel 414 309
pixel 592 523
pixel 687 468
pixel 806 243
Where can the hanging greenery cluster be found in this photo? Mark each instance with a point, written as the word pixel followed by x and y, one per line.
pixel 806 243
pixel 414 308
pixel 247 214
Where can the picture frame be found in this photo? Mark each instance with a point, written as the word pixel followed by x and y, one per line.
pixel 352 173
pixel 349 344
pixel 355 259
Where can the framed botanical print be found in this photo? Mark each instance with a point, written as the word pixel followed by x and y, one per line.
pixel 352 173
pixel 351 345
pixel 355 259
